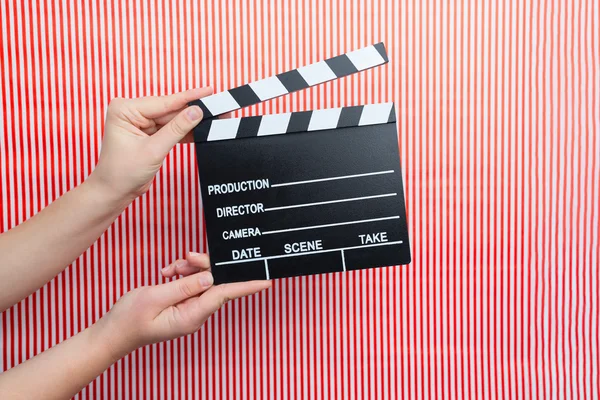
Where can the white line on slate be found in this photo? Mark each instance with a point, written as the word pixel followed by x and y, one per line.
pixel 391 171
pixel 302 228
pixel 320 203
pixel 267 269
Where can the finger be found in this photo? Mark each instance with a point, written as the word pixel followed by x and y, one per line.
pixel 218 295
pixel 188 270
pixel 168 268
pixel 176 291
pixel 231 291
pixel 156 106
pixel 172 133
pixel 198 260
pixel 171 270
pixel 161 121
pixel 194 263
pixel 189 138
pixel 165 119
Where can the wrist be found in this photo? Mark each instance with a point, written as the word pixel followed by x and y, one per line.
pixel 106 193
pixel 110 340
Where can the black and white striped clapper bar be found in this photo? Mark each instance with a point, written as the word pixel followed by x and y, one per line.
pixel 303 192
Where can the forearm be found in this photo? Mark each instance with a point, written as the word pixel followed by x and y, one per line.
pixel 62 371
pixel 34 252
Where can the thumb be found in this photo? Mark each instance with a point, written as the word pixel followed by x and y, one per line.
pixel 176 129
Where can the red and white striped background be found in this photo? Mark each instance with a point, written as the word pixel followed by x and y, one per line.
pixel 498 119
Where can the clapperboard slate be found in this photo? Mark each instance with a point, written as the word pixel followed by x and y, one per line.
pixel 303 192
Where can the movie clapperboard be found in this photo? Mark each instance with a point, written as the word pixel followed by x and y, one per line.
pixel 302 192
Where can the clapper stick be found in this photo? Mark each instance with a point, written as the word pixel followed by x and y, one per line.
pixel 292 81
pixel 302 192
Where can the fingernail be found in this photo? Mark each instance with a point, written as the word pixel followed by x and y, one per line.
pixel 194 113
pixel 194 254
pixel 206 279
pixel 166 269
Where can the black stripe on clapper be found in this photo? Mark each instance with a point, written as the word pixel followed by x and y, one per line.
pixel 244 95
pixel 299 121
pixel 202 130
pixel 381 49
pixel 392 117
pixel 248 127
pixel 341 66
pixel 292 80
pixel 205 111
pixel 350 116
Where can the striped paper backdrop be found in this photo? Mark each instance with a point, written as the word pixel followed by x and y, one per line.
pixel 498 118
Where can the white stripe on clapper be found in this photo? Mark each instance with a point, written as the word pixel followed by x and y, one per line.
pixel 365 58
pixel 373 114
pixel 220 103
pixel 317 73
pixel 222 129
pixel 274 124
pixel 324 119
pixel 268 88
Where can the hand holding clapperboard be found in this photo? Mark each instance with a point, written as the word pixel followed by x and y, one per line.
pixel 303 192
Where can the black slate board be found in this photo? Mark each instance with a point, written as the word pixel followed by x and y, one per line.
pixel 335 184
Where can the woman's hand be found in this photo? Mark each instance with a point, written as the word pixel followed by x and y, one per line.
pixel 138 135
pixel 157 313
pixel 143 316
